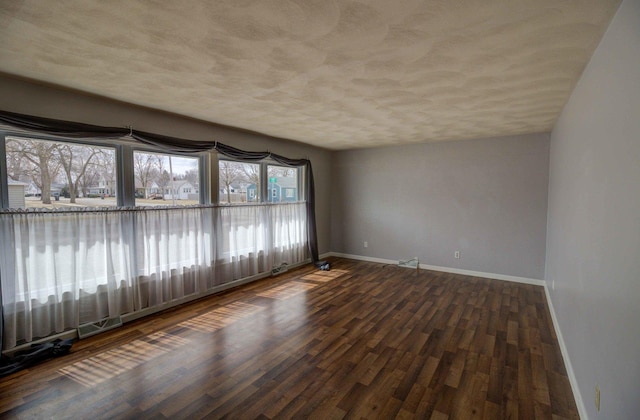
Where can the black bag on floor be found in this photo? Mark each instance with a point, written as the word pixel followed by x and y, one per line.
pixel 37 353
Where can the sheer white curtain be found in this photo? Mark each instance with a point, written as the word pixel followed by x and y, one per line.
pixel 173 253
pixel 253 239
pixel 242 242
pixel 289 233
pixel 60 269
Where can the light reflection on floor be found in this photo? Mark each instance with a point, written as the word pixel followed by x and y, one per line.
pixel 324 276
pixel 106 365
pixel 287 290
pixel 221 317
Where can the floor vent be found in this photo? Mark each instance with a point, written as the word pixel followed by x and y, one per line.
pixel 87 330
pixel 412 263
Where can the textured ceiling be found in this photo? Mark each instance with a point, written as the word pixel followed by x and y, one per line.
pixel 336 74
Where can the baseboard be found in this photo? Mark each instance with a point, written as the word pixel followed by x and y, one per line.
pixel 525 280
pixel 582 411
pixel 361 258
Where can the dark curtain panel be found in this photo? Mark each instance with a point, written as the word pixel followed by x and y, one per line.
pixel 60 128
pixel 172 145
pixel 1 319
pixel 233 153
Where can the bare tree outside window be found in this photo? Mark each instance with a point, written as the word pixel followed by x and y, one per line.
pixel 252 175
pixel 64 170
pixel 75 160
pixel 239 182
pixel 161 177
pixel 282 171
pixel 164 180
pixel 145 168
pixel 193 177
pixel 101 173
pixel 40 164
pixel 230 172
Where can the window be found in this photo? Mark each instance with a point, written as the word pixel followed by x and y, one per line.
pixel 162 179
pixel 239 182
pixel 165 254
pixel 285 180
pixel 56 174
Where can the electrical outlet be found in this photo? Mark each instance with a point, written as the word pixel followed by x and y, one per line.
pixel 366 244
pixel 456 255
pixel 597 398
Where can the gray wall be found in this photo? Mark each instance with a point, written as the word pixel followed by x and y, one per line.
pixel 593 239
pixel 35 99
pixel 486 198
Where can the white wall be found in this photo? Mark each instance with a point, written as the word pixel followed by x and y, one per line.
pixel 593 232
pixel 486 198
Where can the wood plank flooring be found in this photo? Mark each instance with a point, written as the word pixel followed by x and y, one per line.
pixel 363 340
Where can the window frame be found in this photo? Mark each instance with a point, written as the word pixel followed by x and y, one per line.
pixel 124 167
pixel 124 149
pixel 265 193
pixel 203 163
pixel 260 164
pixel 4 176
pixel 300 183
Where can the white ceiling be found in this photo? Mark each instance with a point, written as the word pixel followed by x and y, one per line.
pixel 332 73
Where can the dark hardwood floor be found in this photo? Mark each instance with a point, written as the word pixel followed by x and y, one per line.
pixel 363 340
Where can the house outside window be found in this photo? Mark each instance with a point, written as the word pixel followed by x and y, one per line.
pixel 283 183
pixel 239 182
pixel 162 179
